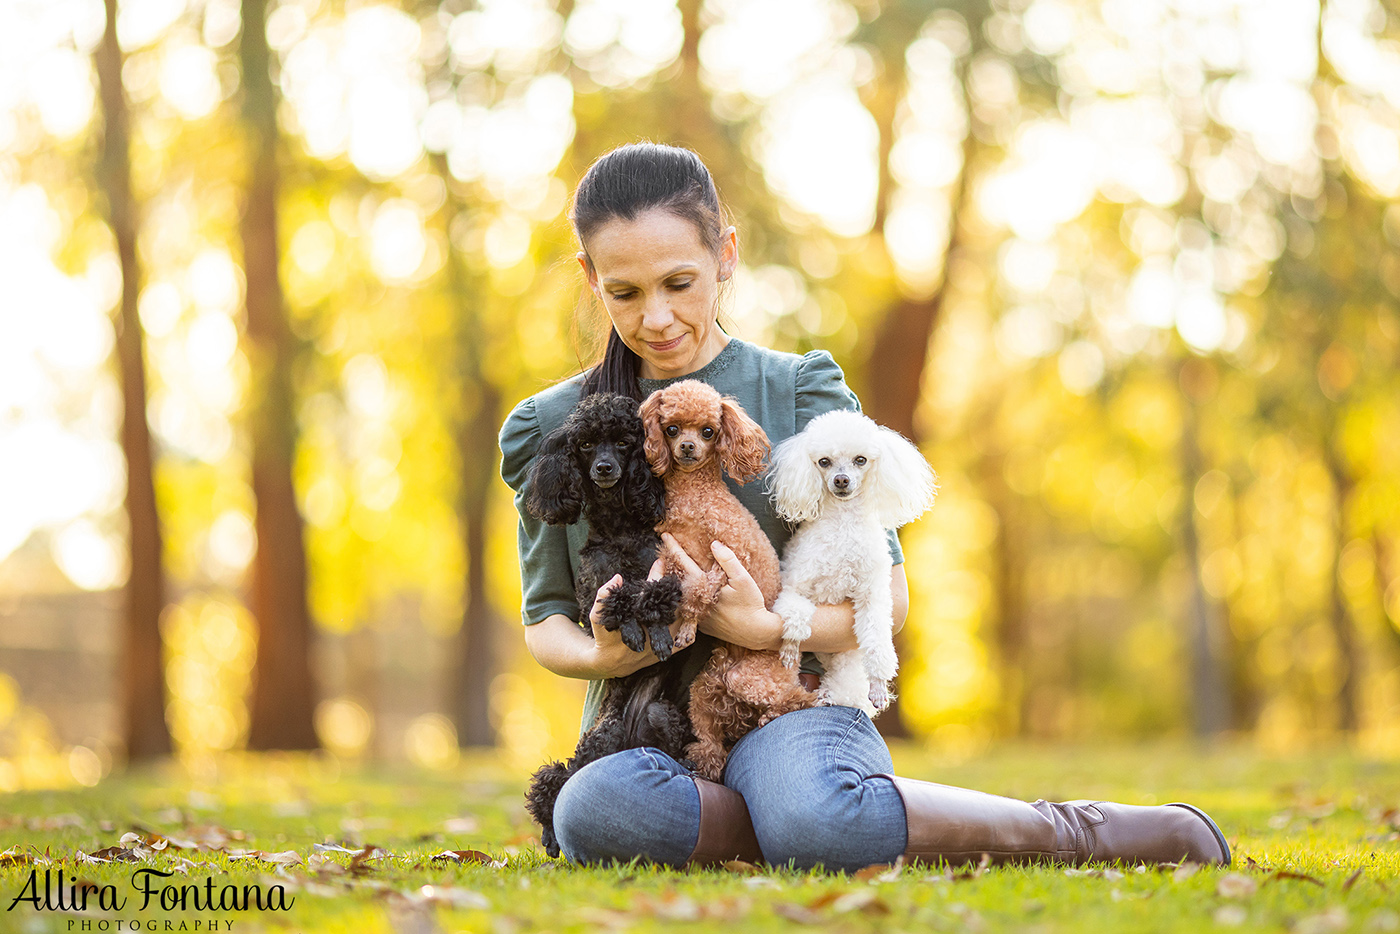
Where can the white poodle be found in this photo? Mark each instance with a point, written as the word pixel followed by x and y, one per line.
pixel 846 480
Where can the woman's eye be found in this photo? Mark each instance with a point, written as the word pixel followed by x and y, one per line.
pixel 680 286
pixel 672 430
pixel 622 296
pixel 860 462
pixel 707 433
pixel 824 463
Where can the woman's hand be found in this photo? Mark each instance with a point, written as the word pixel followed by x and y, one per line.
pixel 562 646
pixel 739 616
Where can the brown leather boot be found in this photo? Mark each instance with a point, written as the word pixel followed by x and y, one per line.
pixel 726 831
pixel 957 825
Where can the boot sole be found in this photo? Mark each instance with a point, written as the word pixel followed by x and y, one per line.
pixel 1219 837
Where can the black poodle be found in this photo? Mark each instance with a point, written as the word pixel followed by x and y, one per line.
pixel 646 708
pixel 593 467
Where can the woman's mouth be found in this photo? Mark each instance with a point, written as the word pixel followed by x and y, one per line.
pixel 663 346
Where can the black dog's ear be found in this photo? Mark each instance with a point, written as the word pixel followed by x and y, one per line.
pixel 645 493
pixel 555 491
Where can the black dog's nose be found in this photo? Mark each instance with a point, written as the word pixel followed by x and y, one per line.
pixel 603 468
pixel 840 481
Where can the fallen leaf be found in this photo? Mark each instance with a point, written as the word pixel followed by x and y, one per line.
pixel 468 856
pixel 1185 871
pixel 798 913
pixel 740 866
pixel 1234 885
pixel 1231 915
pixel 284 858
pixel 13 857
pixel 1352 880
pixel 334 848
pixel 110 854
pixel 766 882
pixel 1301 877
pixel 862 900
pixel 1333 919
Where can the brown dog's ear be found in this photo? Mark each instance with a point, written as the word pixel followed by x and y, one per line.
pixel 743 445
pixel 657 451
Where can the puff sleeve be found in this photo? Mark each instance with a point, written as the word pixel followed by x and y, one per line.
pixel 546 578
pixel 821 388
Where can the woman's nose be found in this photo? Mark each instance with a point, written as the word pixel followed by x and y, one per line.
pixel 657 316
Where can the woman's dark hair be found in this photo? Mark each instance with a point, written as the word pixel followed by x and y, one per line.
pixel 623 183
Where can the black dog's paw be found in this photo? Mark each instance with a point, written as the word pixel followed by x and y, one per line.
pixel 661 642
pixel 634 636
pixel 688 764
pixel 550 844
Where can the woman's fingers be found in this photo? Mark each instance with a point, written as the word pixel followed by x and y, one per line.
pixel 733 568
pixel 678 555
pixel 594 617
pixel 658 569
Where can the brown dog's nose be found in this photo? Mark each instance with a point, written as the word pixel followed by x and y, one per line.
pixel 688 448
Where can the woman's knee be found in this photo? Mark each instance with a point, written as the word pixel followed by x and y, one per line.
pixel 635 803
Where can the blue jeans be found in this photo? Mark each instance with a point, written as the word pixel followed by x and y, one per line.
pixel 807 777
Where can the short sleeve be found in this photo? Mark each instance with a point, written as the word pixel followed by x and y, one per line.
pixel 546 581
pixel 821 388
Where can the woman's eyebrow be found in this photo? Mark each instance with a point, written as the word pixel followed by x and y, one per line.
pixel 683 267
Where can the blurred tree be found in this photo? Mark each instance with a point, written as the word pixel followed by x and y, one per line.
pixel 143 663
pixel 477 416
pixel 283 704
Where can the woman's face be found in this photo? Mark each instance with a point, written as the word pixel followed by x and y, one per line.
pixel 660 286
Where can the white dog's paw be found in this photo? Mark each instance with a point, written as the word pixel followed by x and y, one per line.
pixel 790 654
pixel 879 695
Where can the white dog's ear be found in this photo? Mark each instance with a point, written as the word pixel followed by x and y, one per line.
pixel 904 482
pixel 794 481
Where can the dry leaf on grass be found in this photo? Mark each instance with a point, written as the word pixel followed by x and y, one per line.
pixel 14 857
pixel 798 913
pixel 468 856
pixel 881 872
pixel 1352 880
pixel 738 865
pixel 1282 875
pixel 110 854
pixel 1185 871
pixel 1234 885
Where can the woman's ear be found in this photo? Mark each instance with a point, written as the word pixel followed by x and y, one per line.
pixel 904 481
pixel 794 481
pixel 556 485
pixel 590 274
pixel 742 446
pixel 658 452
pixel 728 253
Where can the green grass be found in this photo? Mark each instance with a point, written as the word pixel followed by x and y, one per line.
pixel 1322 816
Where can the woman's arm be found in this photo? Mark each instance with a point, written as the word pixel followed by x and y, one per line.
pixel 557 643
pixel 740 617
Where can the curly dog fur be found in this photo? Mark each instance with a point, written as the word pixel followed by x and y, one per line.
pixel 594 466
pixel 846 480
pixel 692 434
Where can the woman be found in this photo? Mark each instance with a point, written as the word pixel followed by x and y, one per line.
pixel 813 787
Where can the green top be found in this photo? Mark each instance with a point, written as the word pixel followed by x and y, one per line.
pixel 780 391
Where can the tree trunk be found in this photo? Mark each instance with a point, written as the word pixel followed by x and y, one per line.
pixel 894 371
pixel 143 664
pixel 1212 714
pixel 1349 656
pixel 477 455
pixel 283 695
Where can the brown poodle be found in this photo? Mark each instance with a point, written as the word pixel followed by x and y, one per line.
pixel 692 432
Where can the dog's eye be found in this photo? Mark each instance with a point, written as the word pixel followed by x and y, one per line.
pixel 860 462
pixel 672 430
pixel 586 447
pixel 824 463
pixel 707 433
